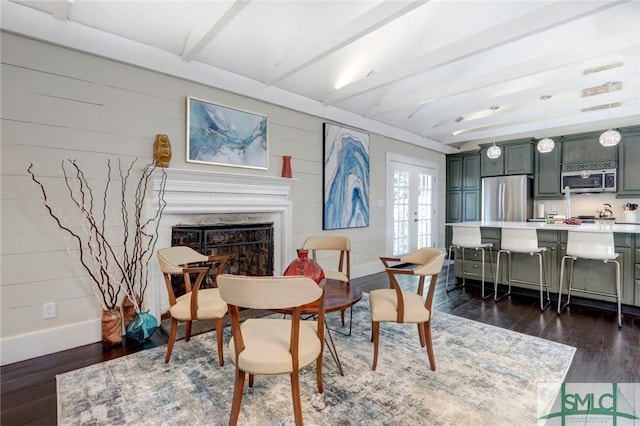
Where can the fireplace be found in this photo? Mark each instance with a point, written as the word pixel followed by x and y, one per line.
pixel 197 198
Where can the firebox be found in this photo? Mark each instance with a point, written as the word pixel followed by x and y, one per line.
pixel 250 246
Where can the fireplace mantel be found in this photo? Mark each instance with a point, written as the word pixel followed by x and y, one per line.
pixel 194 195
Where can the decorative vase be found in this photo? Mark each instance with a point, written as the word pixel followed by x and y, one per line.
pixel 111 327
pixel 162 150
pixel 129 310
pixel 286 166
pixel 142 326
pixel 303 265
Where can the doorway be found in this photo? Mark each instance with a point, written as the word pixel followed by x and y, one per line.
pixel 411 209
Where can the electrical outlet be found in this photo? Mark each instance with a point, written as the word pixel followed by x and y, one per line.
pixel 48 310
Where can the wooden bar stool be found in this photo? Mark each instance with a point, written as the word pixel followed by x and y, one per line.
pixel 590 246
pixel 468 237
pixel 522 241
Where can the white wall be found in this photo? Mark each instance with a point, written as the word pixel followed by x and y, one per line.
pixel 59 104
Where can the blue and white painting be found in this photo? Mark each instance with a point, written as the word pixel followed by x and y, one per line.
pixel 225 136
pixel 346 178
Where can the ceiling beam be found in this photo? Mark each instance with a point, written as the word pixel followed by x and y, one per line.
pixel 205 32
pixel 382 14
pixel 543 19
pixel 60 9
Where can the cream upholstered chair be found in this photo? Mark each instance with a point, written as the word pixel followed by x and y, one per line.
pixel 269 346
pixel 402 306
pixel 342 247
pixel 590 246
pixel 196 303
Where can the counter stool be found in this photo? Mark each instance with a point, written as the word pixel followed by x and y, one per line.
pixel 522 241
pixel 590 246
pixel 468 237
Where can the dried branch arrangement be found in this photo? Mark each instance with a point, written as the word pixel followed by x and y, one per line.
pixel 113 266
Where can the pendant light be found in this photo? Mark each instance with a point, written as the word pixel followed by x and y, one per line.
pixel 545 144
pixel 494 151
pixel 610 137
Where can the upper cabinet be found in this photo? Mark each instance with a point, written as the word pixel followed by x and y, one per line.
pixel 629 155
pixel 583 151
pixel 517 159
pixel 546 184
pixel 463 187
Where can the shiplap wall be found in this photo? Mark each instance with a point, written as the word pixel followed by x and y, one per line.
pixel 59 104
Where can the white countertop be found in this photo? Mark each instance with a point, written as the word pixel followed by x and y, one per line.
pixel 588 227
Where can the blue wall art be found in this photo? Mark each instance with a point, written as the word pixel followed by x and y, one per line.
pixel 346 178
pixel 225 136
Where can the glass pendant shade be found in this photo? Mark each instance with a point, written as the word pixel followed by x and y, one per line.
pixel 303 265
pixel 610 138
pixel 546 145
pixel 494 152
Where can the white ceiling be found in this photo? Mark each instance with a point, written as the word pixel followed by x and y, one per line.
pixel 426 72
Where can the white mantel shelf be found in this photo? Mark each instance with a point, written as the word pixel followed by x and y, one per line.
pixel 588 227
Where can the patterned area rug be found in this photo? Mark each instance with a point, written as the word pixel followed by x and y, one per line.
pixel 485 375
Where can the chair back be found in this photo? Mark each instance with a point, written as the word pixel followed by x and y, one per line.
pixel 591 245
pixel 430 258
pixel 519 240
pixel 338 243
pixel 466 236
pixel 268 292
pixel 173 259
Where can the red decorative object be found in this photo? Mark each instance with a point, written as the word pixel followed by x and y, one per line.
pixel 286 166
pixel 303 265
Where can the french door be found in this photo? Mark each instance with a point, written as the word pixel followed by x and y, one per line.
pixel 411 211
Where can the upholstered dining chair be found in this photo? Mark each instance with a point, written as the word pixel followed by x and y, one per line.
pixel 196 303
pixel 341 247
pixel 273 345
pixel 404 306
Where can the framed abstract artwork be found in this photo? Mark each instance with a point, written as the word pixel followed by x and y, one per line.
pixel 346 178
pixel 225 136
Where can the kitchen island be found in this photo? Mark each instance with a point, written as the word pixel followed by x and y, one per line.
pixel 588 275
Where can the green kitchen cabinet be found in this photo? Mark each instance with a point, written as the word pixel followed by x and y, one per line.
pixel 583 151
pixel 629 171
pixel 548 166
pixel 517 159
pixel 462 189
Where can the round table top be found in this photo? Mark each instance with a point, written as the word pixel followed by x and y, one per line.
pixel 338 295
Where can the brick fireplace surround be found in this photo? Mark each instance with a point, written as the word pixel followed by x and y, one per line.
pixel 195 198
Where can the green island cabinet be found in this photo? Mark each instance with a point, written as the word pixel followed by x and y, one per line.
pixel 590 275
pixel 462 189
pixel 548 166
pixel 516 159
pixel 629 162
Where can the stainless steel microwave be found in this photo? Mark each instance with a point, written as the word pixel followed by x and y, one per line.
pixel 589 180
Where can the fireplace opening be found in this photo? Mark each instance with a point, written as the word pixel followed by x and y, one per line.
pixel 250 246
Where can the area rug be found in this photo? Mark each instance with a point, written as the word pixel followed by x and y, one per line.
pixel 485 375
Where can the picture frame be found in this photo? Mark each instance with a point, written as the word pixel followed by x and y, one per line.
pixel 346 177
pixel 225 136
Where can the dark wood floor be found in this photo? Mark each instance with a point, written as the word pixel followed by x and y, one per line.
pixel 605 353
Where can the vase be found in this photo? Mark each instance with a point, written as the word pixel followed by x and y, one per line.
pixel 303 265
pixel 111 327
pixel 286 166
pixel 129 310
pixel 142 326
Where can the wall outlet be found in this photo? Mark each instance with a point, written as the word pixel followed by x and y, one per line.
pixel 48 310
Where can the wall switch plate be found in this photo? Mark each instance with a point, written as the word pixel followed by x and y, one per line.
pixel 48 310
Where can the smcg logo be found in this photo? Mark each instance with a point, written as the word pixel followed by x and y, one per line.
pixel 614 404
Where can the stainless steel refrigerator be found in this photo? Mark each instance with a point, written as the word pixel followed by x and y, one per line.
pixel 507 198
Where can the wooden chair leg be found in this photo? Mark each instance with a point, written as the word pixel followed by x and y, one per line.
pixel 375 330
pixel 342 316
pixel 187 332
pixel 295 394
pixel 421 333
pixel 219 331
pixel 251 377
pixel 172 339
pixel 319 373
pixel 237 397
pixel 427 338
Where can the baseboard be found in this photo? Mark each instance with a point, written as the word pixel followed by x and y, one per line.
pixel 45 342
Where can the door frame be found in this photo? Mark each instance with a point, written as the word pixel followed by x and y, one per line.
pixel 415 162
